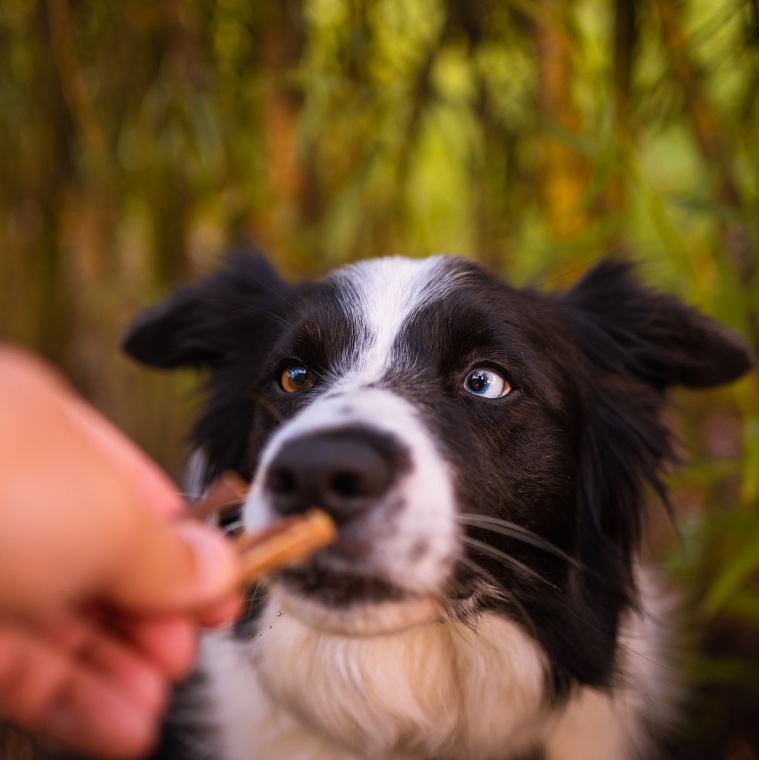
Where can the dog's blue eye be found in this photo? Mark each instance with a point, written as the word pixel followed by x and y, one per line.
pixel 294 378
pixel 486 383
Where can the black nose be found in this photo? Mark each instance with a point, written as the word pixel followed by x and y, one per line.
pixel 343 472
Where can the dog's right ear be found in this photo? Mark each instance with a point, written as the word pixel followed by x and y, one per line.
pixel 205 325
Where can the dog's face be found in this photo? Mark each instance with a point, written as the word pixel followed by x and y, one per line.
pixel 387 398
pixel 479 447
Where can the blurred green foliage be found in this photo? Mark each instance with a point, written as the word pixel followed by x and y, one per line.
pixel 139 139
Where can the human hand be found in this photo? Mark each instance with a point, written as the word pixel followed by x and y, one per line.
pixel 102 585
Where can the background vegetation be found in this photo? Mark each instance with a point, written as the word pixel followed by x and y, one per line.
pixel 139 139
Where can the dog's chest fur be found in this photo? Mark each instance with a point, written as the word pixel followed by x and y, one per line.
pixel 424 692
pixel 438 690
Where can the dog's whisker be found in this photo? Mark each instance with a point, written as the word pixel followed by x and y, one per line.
pixel 253 602
pixel 254 597
pixel 256 590
pixel 189 496
pixel 231 502
pixel 507 528
pixel 482 572
pixel 491 551
pixel 507 597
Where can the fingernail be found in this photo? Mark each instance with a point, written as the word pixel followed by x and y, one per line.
pixel 215 561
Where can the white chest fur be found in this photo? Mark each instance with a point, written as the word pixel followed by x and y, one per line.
pixel 437 690
pixel 434 690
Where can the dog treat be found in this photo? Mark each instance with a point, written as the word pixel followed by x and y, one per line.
pixel 225 495
pixel 286 542
pixel 289 541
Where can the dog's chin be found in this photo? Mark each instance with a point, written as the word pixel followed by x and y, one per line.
pixel 357 606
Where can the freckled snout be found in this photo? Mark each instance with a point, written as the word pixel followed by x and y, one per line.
pixel 344 472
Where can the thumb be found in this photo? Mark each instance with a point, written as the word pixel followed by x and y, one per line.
pixel 173 567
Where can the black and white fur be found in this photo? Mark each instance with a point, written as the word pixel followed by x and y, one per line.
pixel 484 600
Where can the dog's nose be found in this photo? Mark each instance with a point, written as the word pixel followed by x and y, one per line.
pixel 341 472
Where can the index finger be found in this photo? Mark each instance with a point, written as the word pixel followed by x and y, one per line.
pixel 25 377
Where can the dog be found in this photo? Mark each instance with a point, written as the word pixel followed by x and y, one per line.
pixel 487 454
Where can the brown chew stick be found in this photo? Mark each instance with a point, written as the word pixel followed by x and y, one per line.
pixel 226 494
pixel 284 543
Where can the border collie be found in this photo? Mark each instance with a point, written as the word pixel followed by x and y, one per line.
pixel 487 453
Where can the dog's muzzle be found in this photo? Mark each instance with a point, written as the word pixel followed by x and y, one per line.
pixel 372 463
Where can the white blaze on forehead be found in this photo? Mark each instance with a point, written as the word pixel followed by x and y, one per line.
pixel 381 295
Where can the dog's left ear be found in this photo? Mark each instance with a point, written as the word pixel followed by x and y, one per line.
pixel 226 325
pixel 637 333
pixel 236 309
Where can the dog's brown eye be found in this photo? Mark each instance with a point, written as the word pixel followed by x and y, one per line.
pixel 294 378
pixel 486 383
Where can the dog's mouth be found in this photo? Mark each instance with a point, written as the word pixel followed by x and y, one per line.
pixel 376 579
pixel 350 598
pixel 339 588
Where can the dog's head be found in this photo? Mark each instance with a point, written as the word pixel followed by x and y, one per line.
pixel 480 447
